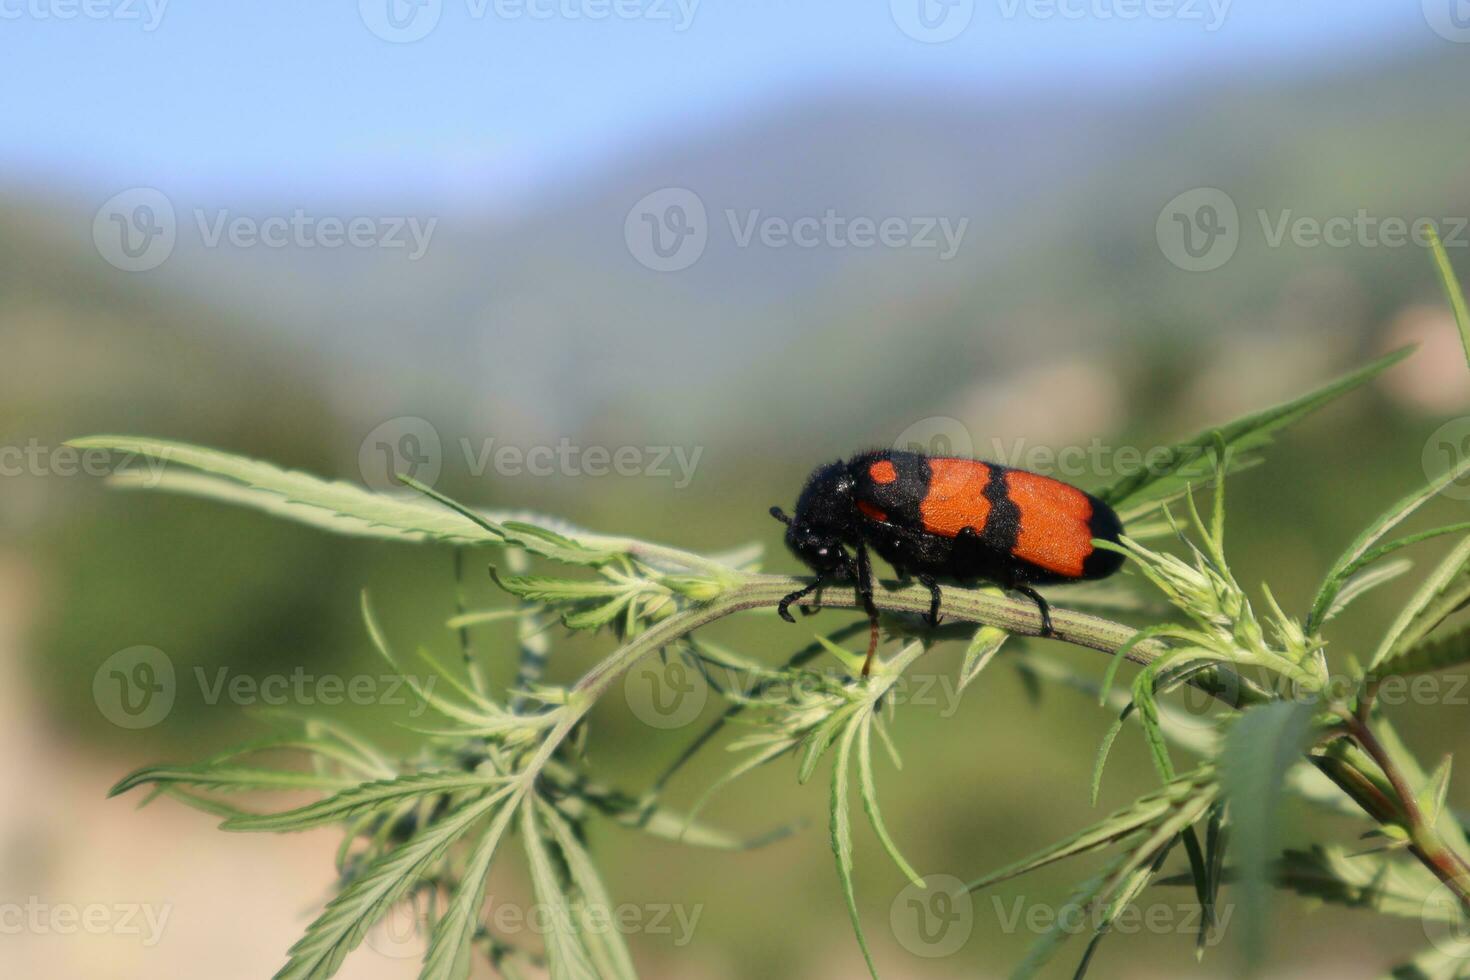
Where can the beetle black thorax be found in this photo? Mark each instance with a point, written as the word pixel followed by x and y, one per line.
pixel 826 502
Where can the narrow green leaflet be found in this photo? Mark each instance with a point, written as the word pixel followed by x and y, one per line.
pixel 1436 653
pixel 1436 789
pixel 1357 585
pixel 342 506
pixel 1190 792
pixel 1140 855
pixel 592 904
pixel 1084 896
pixel 1452 831
pixel 1262 745
pixel 565 954
pixel 1362 553
pixel 1451 288
pixel 841 832
pixel 1119 889
pixel 448 956
pixel 1446 588
pixel 546 588
pixel 363 797
pixel 1189 461
pixel 348 917
pixel 984 645
pixel 229 778
pixel 869 791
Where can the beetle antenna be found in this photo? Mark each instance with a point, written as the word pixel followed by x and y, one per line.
pixel 780 515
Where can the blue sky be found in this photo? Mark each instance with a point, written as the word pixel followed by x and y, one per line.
pixel 510 97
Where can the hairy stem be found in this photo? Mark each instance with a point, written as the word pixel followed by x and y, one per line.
pixel 1021 617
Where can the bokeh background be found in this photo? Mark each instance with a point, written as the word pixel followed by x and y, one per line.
pixel 1129 192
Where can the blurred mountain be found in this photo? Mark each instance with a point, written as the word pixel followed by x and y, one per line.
pixel 546 324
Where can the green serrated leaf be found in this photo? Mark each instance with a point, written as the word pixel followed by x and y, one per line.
pixel 557 547
pixel 451 944
pixel 1362 552
pixel 1262 745
pixel 1187 793
pixel 869 792
pixel 1436 789
pixel 818 742
pixel 1442 592
pixel 984 645
pixel 366 796
pixel 1355 586
pixel 229 778
pixel 1118 891
pixel 1105 749
pixel 841 834
pixel 851 661
pixel 1437 653
pixel 345 508
pixel 331 504
pixel 566 956
pixel 347 918
pixel 1451 288
pixel 1188 461
pixel 547 588
pixel 605 945
pixel 597 616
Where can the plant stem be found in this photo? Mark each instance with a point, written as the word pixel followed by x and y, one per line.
pixel 1447 865
pixel 1019 616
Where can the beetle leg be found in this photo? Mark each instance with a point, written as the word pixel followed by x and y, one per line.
pixel 928 582
pixel 865 594
pixel 1041 606
pixel 783 609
